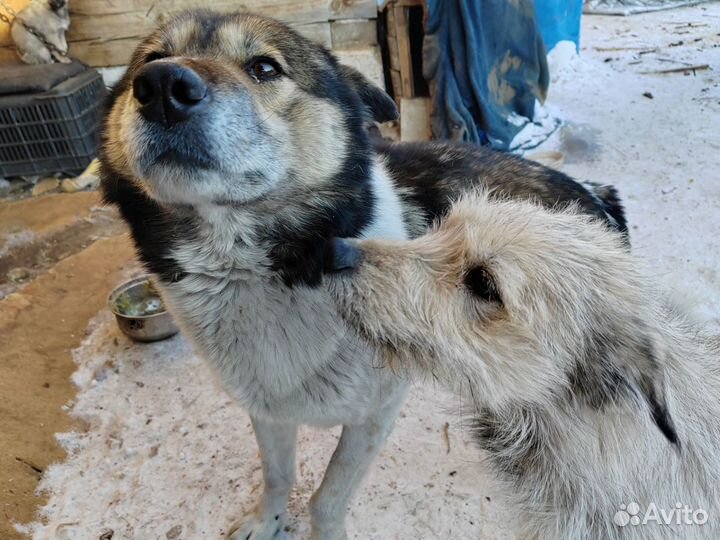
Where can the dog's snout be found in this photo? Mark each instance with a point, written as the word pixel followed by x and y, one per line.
pixel 345 255
pixel 169 93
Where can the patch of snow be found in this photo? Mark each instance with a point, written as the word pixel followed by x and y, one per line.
pixel 534 133
pixel 14 240
pixel 562 61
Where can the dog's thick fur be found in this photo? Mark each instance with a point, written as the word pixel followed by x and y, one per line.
pixel 588 388
pixel 52 19
pixel 232 210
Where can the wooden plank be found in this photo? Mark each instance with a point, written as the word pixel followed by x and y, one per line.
pixel 353 33
pixel 97 52
pixel 133 24
pixel 390 22
pixel 111 27
pixel 392 41
pixel 317 32
pixel 101 52
pixel 299 11
pixel 415 119
pixel 402 33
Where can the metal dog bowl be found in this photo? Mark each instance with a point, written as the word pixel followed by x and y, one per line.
pixel 140 312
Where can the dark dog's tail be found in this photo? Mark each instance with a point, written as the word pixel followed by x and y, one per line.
pixel 612 205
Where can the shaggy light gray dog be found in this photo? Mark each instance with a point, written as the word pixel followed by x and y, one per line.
pixel 595 398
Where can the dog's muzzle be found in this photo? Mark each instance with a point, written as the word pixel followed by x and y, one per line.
pixel 344 255
pixel 169 93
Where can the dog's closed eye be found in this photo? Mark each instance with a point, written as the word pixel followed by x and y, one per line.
pixel 481 284
pixel 154 55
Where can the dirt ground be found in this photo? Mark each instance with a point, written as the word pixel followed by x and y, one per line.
pixel 73 253
pixel 641 108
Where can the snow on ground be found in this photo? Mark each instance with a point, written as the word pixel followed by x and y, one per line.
pixel 166 455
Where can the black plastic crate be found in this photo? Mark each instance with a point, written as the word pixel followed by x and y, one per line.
pixel 54 131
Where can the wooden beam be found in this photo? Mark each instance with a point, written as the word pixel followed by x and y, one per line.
pixel 105 32
pixel 402 34
pixel 393 53
pixel 318 32
pixel 298 11
pixel 100 52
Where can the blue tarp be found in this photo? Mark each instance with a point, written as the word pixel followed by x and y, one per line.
pixel 559 20
pixel 486 64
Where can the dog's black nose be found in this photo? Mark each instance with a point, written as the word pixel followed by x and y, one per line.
pixel 169 93
pixel 344 255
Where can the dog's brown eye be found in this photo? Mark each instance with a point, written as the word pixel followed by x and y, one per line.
pixel 263 69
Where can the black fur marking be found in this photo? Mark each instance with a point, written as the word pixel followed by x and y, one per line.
pixel 481 283
pixel 662 418
pixel 513 439
pixel 153 229
pixel 651 384
pixel 613 205
pixel 595 380
pixel 298 255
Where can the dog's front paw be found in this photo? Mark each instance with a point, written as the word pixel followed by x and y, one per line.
pixel 253 527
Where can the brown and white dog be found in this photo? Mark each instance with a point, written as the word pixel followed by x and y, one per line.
pixel 595 399
pixel 236 150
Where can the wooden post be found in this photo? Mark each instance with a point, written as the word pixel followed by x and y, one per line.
pixel 402 35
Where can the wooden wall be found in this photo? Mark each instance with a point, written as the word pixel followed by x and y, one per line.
pixel 105 32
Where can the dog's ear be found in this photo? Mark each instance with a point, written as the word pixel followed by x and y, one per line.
pixel 616 361
pixel 381 105
pixel 650 379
